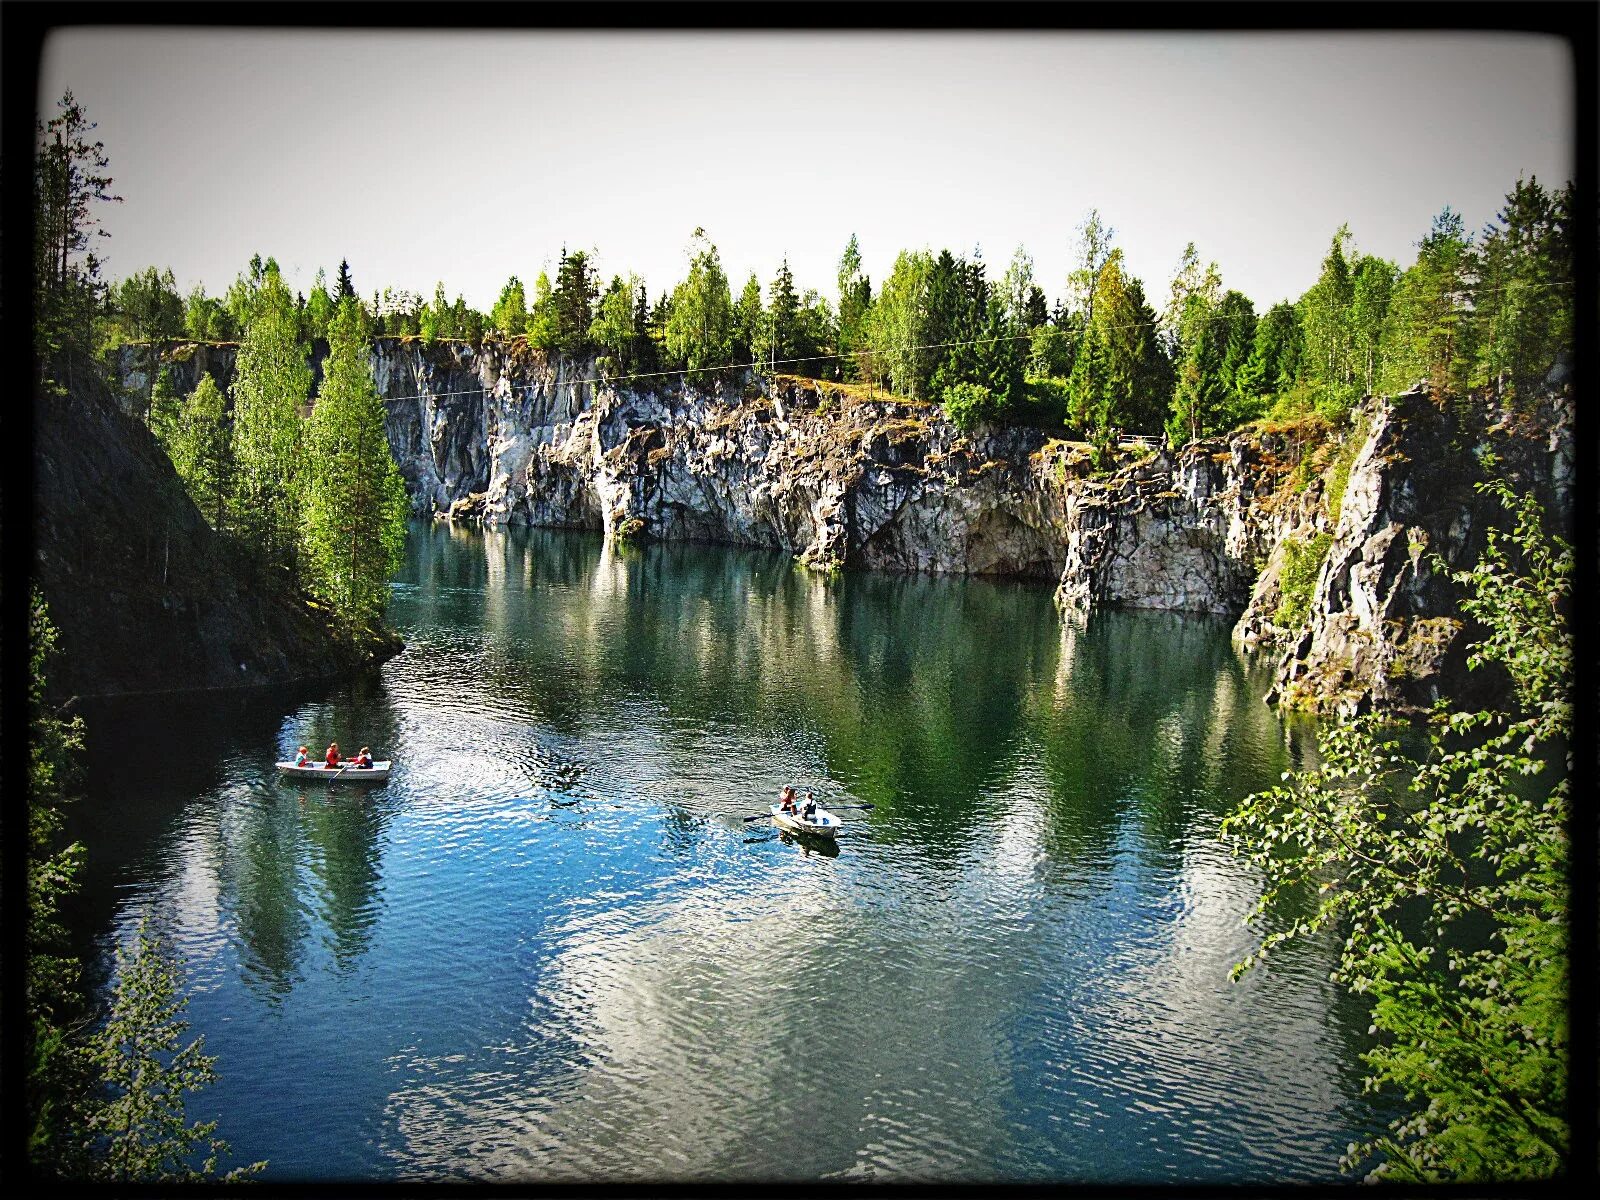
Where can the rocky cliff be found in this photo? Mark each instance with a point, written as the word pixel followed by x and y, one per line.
pixel 145 596
pixel 842 477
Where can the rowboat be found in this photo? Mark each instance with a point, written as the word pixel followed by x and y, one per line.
pixel 822 823
pixel 346 773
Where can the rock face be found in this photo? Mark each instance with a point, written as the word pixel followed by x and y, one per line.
pixel 145 596
pixel 841 477
pixel 1385 628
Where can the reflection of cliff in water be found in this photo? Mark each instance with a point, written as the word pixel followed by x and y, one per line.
pixel 922 690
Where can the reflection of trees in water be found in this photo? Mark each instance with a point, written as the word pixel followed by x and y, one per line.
pixel 343 827
pixel 1148 715
pixel 260 845
pixel 921 688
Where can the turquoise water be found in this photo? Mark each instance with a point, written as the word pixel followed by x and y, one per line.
pixel 552 948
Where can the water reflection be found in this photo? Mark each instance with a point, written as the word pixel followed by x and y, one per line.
pixel 553 948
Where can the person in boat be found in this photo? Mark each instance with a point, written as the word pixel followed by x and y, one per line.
pixel 786 796
pixel 363 759
pixel 333 756
pixel 810 809
pixel 302 757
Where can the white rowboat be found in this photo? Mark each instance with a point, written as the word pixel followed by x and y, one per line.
pixel 822 823
pixel 345 773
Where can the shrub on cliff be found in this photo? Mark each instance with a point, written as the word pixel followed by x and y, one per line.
pixel 1446 871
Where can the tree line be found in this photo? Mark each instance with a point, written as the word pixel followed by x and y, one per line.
pixel 1472 311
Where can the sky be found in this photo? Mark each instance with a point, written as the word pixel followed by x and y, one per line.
pixel 473 156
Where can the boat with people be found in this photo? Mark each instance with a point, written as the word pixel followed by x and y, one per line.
pixel 345 772
pixel 807 816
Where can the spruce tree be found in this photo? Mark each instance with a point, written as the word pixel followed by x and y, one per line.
pixel 356 507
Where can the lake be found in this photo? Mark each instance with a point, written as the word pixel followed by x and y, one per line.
pixel 551 947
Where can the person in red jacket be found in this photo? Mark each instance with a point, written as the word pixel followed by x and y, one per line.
pixel 333 756
pixel 363 759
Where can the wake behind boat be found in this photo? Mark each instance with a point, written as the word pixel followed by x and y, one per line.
pixel 821 823
pixel 346 772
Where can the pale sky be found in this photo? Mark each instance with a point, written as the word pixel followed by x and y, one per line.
pixel 469 157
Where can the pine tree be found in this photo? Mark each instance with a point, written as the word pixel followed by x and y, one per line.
pixel 577 288
pixel 752 333
pixel 347 287
pixel 1523 302
pixel 356 507
pixel 272 382
pixel 1426 335
pixel 69 182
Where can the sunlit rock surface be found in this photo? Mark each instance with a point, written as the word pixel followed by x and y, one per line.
pixel 844 477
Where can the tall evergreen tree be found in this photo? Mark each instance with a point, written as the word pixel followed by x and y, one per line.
pixel 1274 355
pixel 272 382
pixel 347 287
pixel 69 182
pixel 356 505
pixel 576 291
pixel 1426 335
pixel 783 319
pixel 1523 303
pixel 752 340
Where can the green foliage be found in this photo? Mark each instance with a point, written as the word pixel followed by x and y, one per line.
pixel 1339 473
pixel 354 529
pixel 1326 324
pixel 206 319
pixel 1274 358
pixel 69 183
pixel 1523 304
pixel 346 288
pixel 573 301
pixel 201 449
pixel 319 309
pixel 1446 871
pixel 966 404
pixel 1427 335
pixel 619 328
pixel 137 1131
pixel 510 313
pixel 1298 578
pixel 855 301
pixel 700 327
pixel 146 307
pixel 1120 375
pixel 272 381
pixel 898 326
pixel 1371 290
